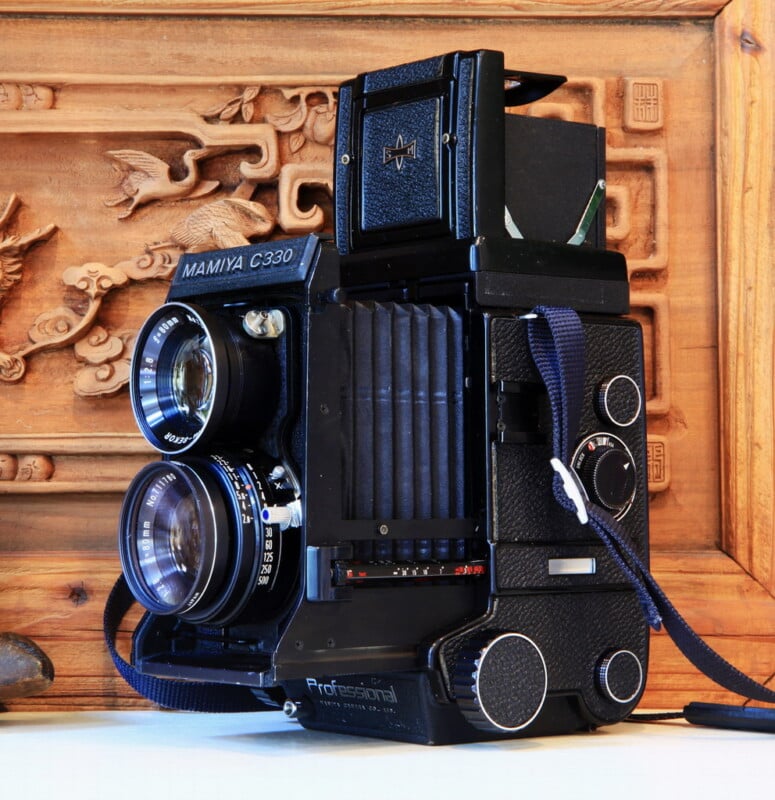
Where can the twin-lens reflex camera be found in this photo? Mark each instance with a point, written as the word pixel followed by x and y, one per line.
pixel 352 514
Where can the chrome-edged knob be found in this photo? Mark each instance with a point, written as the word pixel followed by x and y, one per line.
pixel 501 683
pixel 607 472
pixel 618 401
pixel 620 676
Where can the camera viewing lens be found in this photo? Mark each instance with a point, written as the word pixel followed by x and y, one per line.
pixel 175 384
pixel 192 540
pixel 195 376
pixel 193 379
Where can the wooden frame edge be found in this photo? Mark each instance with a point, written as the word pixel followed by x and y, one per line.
pixel 745 38
pixel 535 9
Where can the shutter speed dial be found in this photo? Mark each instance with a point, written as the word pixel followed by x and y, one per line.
pixel 607 471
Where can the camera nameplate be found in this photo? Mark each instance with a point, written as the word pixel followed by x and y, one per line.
pixel 253 266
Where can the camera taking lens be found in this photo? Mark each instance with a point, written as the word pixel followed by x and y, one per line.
pixel 197 542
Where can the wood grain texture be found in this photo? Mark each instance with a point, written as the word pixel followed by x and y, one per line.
pixel 746 203
pixel 58 599
pixel 405 8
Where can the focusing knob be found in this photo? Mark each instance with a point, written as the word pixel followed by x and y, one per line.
pixel 607 472
pixel 618 400
pixel 620 676
pixel 501 683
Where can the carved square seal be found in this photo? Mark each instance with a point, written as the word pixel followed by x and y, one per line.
pixel 644 105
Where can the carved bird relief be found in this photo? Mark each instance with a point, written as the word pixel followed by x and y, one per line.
pixel 146 178
pixel 230 222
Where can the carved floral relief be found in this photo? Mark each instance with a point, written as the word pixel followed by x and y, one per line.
pixel 25 96
pixel 25 467
pixel 13 247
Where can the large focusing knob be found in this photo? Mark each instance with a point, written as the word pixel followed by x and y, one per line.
pixel 501 684
pixel 620 676
pixel 607 471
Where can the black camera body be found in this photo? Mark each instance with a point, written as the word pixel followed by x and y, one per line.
pixel 354 515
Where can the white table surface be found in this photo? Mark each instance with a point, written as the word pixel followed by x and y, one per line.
pixel 166 755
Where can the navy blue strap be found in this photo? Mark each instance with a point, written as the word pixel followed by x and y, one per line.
pixel 180 695
pixel 556 341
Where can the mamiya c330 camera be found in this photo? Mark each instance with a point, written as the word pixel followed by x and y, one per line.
pixel 353 515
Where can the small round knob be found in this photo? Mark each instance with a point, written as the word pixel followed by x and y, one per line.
pixel 620 676
pixel 618 401
pixel 501 684
pixel 607 471
pixel 262 324
pixel 287 516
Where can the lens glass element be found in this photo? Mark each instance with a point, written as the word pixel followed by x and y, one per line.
pixel 170 541
pixel 193 541
pixel 170 558
pixel 193 379
pixel 179 377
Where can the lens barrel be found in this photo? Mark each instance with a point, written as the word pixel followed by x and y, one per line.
pixel 195 375
pixel 192 541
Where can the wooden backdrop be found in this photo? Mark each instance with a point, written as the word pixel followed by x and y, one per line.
pixel 686 95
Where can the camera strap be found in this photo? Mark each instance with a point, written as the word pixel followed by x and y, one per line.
pixel 556 339
pixel 169 693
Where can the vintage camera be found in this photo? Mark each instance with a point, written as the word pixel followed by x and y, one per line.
pixel 353 515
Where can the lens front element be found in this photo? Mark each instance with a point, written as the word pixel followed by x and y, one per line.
pixel 176 368
pixel 193 379
pixel 170 538
pixel 195 540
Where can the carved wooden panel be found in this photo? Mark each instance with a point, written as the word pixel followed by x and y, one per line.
pixel 142 137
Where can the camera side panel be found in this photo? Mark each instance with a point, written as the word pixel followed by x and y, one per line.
pixel 554 583
pixel 522 470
